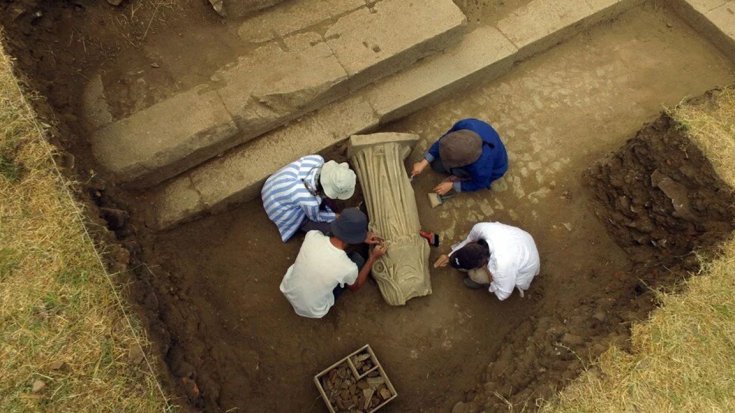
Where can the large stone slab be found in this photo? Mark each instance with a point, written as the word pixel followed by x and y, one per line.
pixel 371 43
pixel 238 176
pixel 167 137
pixel 378 159
pixel 714 18
pixel 484 53
pixel 542 24
pixel 293 17
pixel 272 86
pixel 280 81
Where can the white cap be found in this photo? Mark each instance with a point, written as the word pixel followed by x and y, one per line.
pixel 338 180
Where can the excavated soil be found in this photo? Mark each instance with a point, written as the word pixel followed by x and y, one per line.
pixel 660 198
pixel 662 202
pixel 607 233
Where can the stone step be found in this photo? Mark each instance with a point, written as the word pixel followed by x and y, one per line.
pixel 484 53
pixel 331 48
pixel 714 18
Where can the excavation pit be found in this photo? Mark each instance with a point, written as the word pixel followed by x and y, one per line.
pixel 209 288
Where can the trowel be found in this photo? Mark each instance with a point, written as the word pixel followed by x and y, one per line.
pixel 435 199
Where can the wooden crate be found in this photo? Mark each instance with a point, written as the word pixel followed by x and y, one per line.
pixel 357 375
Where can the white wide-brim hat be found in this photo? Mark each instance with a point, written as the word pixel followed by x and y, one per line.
pixel 338 180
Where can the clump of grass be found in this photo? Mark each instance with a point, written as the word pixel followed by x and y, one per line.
pixel 683 358
pixel 711 125
pixel 66 344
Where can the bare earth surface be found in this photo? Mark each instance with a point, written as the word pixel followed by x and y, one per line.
pixel 557 113
pixel 224 324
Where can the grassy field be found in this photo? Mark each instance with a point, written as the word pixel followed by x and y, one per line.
pixel 683 358
pixel 66 344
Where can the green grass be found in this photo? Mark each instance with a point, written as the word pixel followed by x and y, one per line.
pixel 61 322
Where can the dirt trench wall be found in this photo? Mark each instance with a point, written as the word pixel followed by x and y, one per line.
pixel 660 198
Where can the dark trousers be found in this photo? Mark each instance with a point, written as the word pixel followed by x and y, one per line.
pixel 359 260
pixel 438 166
pixel 461 173
pixel 309 225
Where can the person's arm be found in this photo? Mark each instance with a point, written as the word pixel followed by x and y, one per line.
pixel 429 157
pixel 362 276
pixel 433 152
pixel 474 235
pixel 311 207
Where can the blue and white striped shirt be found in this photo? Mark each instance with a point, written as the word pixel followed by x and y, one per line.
pixel 288 201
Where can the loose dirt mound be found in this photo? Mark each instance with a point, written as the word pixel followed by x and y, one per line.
pixel 660 198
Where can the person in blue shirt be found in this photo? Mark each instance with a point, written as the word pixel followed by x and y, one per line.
pixel 471 153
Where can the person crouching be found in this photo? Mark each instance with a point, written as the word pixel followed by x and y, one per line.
pixel 323 269
pixel 497 256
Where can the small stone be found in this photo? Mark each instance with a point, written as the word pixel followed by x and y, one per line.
pixel 59 365
pixel 38 385
pixel 572 339
pixel 600 316
pixel 385 393
pixel 155 65
pixel 116 218
pixel 135 354
pixel 375 381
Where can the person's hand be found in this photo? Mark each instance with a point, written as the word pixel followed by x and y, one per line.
pixel 442 261
pixel 443 188
pixel 378 251
pixel 373 239
pixel 419 167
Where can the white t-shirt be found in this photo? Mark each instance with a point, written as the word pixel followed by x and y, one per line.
pixel 318 269
pixel 514 259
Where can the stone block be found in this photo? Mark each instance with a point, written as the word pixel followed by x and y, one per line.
pixel 483 53
pixel 608 9
pixel 293 17
pixel 177 199
pixel 373 42
pixel 723 18
pixel 238 176
pixel 715 19
pixel 240 8
pixel 542 23
pixel 378 160
pixel 705 6
pixel 272 86
pixel 164 139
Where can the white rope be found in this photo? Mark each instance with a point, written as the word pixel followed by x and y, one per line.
pixel 79 216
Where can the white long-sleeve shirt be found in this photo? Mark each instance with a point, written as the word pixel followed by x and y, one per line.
pixel 514 259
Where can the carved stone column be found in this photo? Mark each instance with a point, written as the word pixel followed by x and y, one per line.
pixel 378 159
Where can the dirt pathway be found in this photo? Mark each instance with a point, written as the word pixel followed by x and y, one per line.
pixel 557 113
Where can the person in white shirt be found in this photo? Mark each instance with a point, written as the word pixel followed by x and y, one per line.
pixel 498 256
pixel 323 269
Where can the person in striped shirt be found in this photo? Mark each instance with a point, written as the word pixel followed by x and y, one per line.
pixel 295 197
